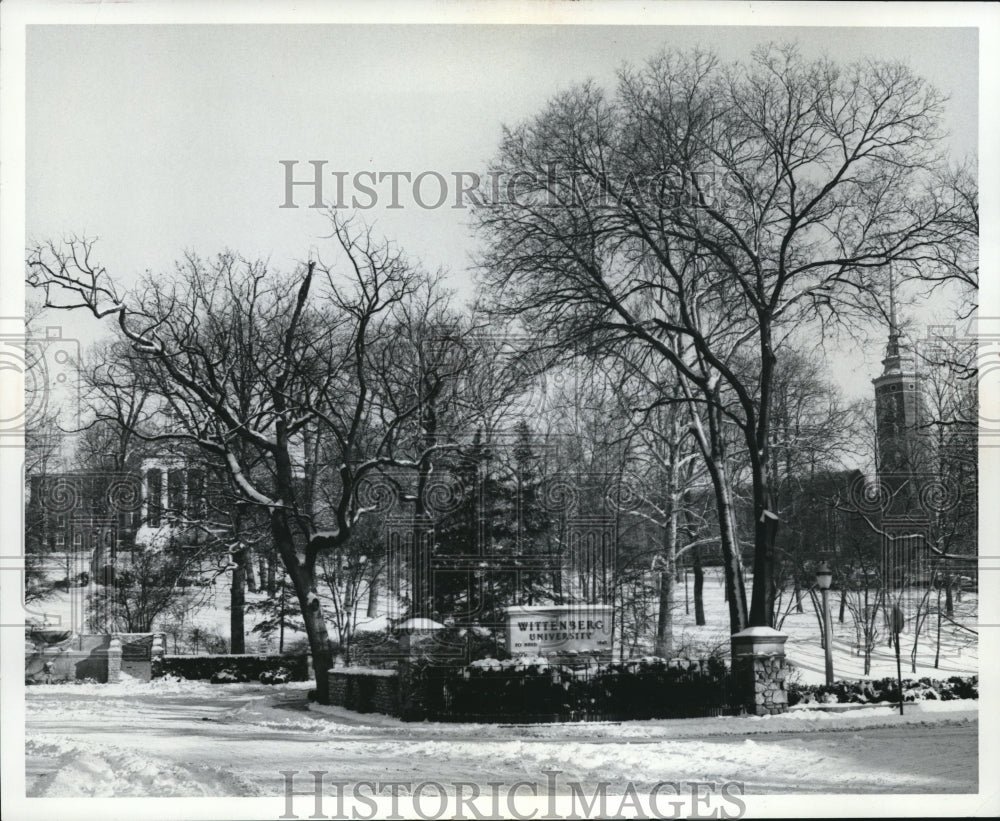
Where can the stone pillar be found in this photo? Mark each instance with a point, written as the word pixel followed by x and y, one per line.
pixel 417 642
pixel 758 663
pixel 114 660
pixel 156 654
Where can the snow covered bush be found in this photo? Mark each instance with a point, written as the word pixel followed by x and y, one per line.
pixel 883 690
pixel 228 676
pixel 280 676
pixel 532 689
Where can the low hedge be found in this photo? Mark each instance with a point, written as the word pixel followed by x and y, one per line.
pixel 884 690
pixel 536 691
pixel 374 649
pixel 231 669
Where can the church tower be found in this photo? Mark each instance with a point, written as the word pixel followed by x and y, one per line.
pixel 900 456
pixel 896 403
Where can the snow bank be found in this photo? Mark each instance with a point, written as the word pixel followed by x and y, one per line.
pixel 101 770
pixel 796 720
pixel 363 671
pixel 129 686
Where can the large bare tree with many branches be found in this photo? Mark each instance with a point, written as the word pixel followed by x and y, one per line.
pixel 255 367
pixel 713 210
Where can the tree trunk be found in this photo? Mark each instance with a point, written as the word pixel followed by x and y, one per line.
pixel 937 649
pixel 272 584
pixel 798 598
pixel 765 529
pixel 664 619
pixel 247 562
pixel 732 562
pixel 237 599
pixel 699 585
pixel 715 462
pixel 281 616
pixel 668 574
pixel 372 610
pixel 949 604
pixel 843 604
pixel 818 611
pixel 303 578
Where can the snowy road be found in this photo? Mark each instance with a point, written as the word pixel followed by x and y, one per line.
pixel 193 738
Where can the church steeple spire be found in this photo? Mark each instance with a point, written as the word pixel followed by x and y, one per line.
pixel 896 397
pixel 892 363
pixel 893 348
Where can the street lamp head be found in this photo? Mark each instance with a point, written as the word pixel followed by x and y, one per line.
pixel 824 576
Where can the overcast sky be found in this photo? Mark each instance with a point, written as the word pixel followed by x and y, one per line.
pixel 158 139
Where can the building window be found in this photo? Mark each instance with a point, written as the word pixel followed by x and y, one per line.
pixel 154 496
pixel 60 540
pixel 196 493
pixel 175 490
pixel 77 540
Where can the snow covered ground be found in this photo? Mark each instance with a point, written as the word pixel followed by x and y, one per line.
pixel 172 738
pixel 189 738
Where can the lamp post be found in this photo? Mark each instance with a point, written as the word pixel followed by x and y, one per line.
pixel 824 577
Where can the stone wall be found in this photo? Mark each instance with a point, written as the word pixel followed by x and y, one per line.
pixel 364 690
pixel 50 656
pixel 54 656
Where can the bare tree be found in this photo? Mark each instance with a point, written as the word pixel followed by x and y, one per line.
pixel 42 438
pixel 251 364
pixel 725 207
pixel 666 473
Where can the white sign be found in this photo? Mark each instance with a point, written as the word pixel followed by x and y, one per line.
pixel 559 629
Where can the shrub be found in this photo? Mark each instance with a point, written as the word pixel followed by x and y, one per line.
pixel 227 668
pixel 228 676
pixel 883 690
pixel 279 676
pixel 374 649
pixel 528 689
